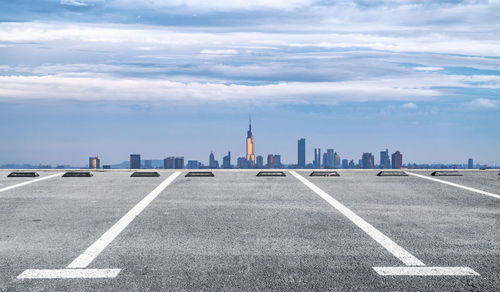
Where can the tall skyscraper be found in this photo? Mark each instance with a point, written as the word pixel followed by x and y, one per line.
pixel 260 161
pixel 301 153
pixel 397 160
pixel 317 158
pixel 212 162
pixel 470 163
pixel 226 161
pixel 135 161
pixel 345 163
pixel 329 158
pixel 277 161
pixel 148 164
pixel 169 162
pixel 270 161
pixel 336 160
pixel 385 162
pixel 367 161
pixel 250 145
pixel 242 162
pixel 94 163
pixel 179 162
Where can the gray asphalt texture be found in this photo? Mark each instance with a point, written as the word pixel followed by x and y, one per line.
pixel 236 231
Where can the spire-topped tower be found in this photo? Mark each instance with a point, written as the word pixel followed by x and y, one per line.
pixel 250 144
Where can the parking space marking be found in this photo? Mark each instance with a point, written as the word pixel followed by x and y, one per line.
pixel 77 268
pixel 425 271
pixel 68 273
pixel 455 185
pixel 29 182
pixel 407 258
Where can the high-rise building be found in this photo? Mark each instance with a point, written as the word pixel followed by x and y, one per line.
pixel 270 161
pixel 367 161
pixel 329 159
pixel 250 145
pixel 212 163
pixel 317 158
pixel 193 164
pixel 148 164
pixel 352 164
pixel 301 153
pixel 260 161
pixel 226 160
pixel 135 161
pixel 277 161
pixel 345 163
pixel 179 162
pixel 242 162
pixel 169 162
pixel 336 160
pixel 397 160
pixel 325 160
pixel 94 163
pixel 470 163
pixel 385 162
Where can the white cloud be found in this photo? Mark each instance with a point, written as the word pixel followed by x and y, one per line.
pixel 109 88
pixel 410 105
pixel 428 68
pixel 483 103
pixel 219 52
pixel 73 3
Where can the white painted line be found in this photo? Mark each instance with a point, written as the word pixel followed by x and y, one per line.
pixel 399 252
pixel 455 185
pixel 29 182
pixel 425 271
pixel 68 273
pixel 100 244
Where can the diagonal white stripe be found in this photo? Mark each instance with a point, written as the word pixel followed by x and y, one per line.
pixel 100 244
pixel 29 182
pixel 455 185
pixel 396 250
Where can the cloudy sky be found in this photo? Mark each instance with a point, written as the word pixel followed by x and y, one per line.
pixel 180 77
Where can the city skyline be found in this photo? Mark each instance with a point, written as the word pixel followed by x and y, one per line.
pixel 329 159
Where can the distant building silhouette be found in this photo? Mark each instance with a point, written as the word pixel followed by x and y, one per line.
pixel 94 163
pixel 301 153
pixel 317 158
pixel 470 163
pixel 250 145
pixel 148 164
pixel 385 162
pixel 277 161
pixel 179 162
pixel 169 162
pixel 328 158
pixel 397 160
pixel 135 161
pixel 259 161
pixel 212 162
pixel 226 161
pixel 325 159
pixel 193 164
pixel 367 161
pixel 336 160
pixel 106 166
pixel 242 163
pixel 345 163
pixel 352 164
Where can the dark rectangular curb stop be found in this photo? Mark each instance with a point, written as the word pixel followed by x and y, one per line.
pixel 23 174
pixel 200 174
pixel 145 174
pixel 271 173
pixel 324 173
pixel 77 174
pixel 446 173
pixel 392 173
